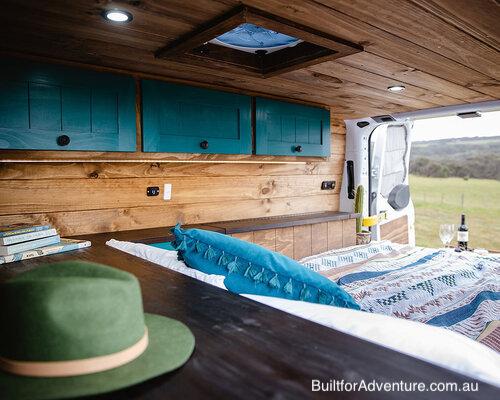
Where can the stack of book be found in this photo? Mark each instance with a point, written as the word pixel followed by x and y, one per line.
pixel 22 241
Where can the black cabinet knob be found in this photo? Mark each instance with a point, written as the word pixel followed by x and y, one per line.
pixel 298 149
pixel 63 140
pixel 204 145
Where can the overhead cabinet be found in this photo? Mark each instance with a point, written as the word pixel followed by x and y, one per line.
pixel 186 119
pixel 288 129
pixel 49 107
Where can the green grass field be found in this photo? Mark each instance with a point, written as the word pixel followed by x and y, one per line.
pixel 439 200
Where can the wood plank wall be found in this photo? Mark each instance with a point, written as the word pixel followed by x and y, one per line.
pixel 302 241
pixel 94 197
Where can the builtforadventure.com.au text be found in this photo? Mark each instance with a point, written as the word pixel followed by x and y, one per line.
pixel 333 385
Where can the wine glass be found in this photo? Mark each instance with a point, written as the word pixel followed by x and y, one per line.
pixel 443 233
pixel 451 234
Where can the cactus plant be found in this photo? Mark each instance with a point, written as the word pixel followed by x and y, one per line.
pixel 358 206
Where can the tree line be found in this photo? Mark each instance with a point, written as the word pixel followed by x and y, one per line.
pixel 486 166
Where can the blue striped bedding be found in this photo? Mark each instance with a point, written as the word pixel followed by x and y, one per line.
pixel 457 291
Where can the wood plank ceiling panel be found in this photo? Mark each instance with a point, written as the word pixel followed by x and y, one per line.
pixel 450 60
pixel 479 19
pixel 407 20
pixel 381 42
pixel 370 84
pixel 399 72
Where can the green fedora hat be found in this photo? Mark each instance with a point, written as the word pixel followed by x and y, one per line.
pixel 77 328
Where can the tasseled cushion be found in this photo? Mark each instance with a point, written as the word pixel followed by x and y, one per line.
pixel 252 269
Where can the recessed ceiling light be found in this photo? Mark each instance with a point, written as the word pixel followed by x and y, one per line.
pixel 117 16
pixel 396 88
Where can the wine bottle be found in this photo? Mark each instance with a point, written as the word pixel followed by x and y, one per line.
pixel 463 234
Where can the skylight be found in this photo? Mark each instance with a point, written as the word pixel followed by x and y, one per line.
pixel 252 38
pixel 251 41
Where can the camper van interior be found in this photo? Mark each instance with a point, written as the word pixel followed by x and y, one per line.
pixel 210 199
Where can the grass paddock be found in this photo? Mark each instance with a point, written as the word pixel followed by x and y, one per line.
pixel 439 200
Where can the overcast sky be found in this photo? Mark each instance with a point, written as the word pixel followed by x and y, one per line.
pixel 452 127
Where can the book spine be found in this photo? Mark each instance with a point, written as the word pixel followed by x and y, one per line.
pixel 24 230
pixel 45 251
pixel 33 244
pixel 27 236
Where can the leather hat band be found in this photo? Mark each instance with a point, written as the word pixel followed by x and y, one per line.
pixel 53 369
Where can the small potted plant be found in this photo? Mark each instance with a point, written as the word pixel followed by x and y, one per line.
pixel 362 237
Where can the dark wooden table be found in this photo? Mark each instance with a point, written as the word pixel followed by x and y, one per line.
pixel 246 350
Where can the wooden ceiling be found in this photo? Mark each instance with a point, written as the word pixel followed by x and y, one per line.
pixel 445 52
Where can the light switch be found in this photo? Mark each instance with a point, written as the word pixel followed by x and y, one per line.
pixel 167 191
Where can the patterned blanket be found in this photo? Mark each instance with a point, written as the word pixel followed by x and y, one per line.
pixel 457 291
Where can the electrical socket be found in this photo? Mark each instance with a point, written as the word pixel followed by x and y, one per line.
pixel 167 191
pixel 153 191
pixel 327 185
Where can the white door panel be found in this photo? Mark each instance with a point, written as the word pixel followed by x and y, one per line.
pixel 380 154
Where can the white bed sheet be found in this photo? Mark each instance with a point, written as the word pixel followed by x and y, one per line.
pixel 435 345
pixel 166 258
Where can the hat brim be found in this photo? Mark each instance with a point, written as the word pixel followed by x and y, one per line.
pixel 171 343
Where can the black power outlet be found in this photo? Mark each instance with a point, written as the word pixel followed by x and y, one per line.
pixel 153 191
pixel 327 185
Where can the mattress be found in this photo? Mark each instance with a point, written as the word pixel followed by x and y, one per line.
pixel 426 342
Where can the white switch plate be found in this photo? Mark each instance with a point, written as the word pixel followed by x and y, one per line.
pixel 167 191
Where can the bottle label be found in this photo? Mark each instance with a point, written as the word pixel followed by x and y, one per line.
pixel 462 236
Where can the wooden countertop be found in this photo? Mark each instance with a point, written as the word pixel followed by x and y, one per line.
pixel 257 224
pixel 246 350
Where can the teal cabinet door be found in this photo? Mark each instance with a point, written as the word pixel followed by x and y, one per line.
pixel 49 107
pixel 288 129
pixel 185 119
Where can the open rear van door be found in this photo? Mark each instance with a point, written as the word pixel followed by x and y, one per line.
pixel 378 157
pixel 388 188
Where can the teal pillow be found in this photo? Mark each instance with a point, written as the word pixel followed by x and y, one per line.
pixel 253 269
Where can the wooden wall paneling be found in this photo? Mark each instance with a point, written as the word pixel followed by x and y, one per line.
pixel 348 232
pixel 138 157
pixel 285 242
pixel 302 241
pixel 117 219
pixel 338 144
pixel 97 170
pixel 335 234
pixel 265 238
pixel 395 231
pixel 45 195
pixel 246 236
pixel 337 125
pixel 319 233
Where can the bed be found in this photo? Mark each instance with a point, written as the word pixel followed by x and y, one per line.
pixel 456 291
pixel 350 267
